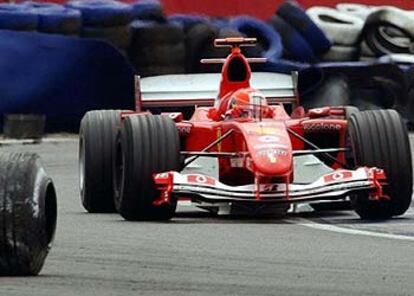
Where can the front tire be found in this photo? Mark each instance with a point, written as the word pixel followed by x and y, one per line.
pixel 380 139
pixel 147 144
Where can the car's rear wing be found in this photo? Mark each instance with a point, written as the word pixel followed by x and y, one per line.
pixel 185 90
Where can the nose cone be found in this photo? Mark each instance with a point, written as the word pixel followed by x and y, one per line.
pixel 270 148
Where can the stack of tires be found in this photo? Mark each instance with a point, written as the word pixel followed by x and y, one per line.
pixel 365 33
pixel 360 11
pixel 343 30
pixel 302 40
pixel 105 20
pixel 389 30
pixel 157 48
pixel 55 18
pixel 157 45
pixel 269 41
pixel 148 10
pixel 187 21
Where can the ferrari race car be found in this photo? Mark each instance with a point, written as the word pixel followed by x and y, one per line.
pixel 248 147
pixel 28 213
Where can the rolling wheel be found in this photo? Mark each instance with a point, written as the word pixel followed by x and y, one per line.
pixel 28 214
pixel 379 139
pixel 146 144
pixel 97 137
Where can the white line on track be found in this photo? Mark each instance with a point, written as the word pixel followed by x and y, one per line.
pixel 337 229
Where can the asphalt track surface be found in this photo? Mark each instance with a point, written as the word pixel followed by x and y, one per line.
pixel 329 253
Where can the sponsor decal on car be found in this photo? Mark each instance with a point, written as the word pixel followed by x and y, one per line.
pixel 237 162
pixel 269 139
pixel 321 127
pixel 201 180
pixel 269 187
pixel 161 176
pixel 272 154
pixel 183 130
pixel 338 176
pixel 260 131
pixel 270 146
pixel 275 152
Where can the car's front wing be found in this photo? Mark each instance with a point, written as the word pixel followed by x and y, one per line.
pixel 331 186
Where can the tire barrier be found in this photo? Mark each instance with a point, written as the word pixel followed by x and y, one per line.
pixel 17 17
pixel 28 213
pixel 102 13
pixel 295 46
pixel 359 10
pixel 342 53
pixel 344 30
pixel 157 48
pixel 24 126
pixel 106 20
pixel 199 45
pixel 402 59
pixel 188 21
pixel 373 86
pixel 335 91
pixel 281 66
pixel 120 36
pixel 148 10
pixel 341 29
pixel 62 88
pixel 56 19
pixel 297 17
pixel 366 51
pixel 221 22
pixel 408 111
pixel 389 30
pixel 267 38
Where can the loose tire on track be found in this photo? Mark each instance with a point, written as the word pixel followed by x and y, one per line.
pixel 146 144
pixel 28 214
pixel 96 143
pixel 379 138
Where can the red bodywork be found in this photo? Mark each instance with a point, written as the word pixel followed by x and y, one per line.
pixel 259 152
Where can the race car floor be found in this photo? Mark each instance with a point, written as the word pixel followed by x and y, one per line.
pixel 320 253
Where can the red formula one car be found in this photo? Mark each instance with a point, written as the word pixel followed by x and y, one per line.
pixel 248 147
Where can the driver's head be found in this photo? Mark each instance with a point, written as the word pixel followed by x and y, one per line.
pixel 247 103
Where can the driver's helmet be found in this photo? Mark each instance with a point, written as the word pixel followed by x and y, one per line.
pixel 247 104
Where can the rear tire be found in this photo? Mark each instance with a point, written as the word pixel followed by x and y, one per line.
pixel 97 137
pixel 146 144
pixel 379 138
pixel 28 213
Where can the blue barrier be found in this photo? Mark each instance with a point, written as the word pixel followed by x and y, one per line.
pixel 61 77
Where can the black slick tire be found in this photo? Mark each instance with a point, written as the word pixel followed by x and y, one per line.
pixel 96 143
pixel 146 144
pixel 28 213
pixel 379 138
